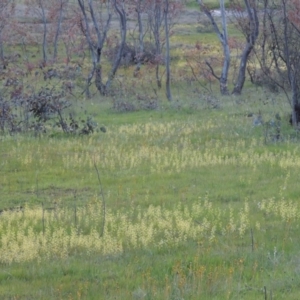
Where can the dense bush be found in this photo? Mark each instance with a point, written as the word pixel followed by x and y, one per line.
pixel 131 55
pixel 39 111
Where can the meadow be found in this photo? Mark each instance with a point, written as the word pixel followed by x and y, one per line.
pixel 199 204
pixel 189 199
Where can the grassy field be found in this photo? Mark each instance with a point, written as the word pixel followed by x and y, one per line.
pixel 199 204
pixel 191 200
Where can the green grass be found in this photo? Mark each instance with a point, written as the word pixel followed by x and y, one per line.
pixel 187 186
pixel 214 154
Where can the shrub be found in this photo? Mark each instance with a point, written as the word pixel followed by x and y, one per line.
pixel 131 55
pixel 39 111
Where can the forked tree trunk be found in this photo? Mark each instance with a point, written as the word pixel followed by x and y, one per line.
pixel 223 37
pixel 96 45
pixel 119 7
pixel 251 39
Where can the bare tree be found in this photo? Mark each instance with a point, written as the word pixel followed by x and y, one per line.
pixel 168 71
pixel 156 24
pixel 277 51
pixel 280 60
pixel 58 11
pixel 291 36
pixel 120 9
pixel 140 7
pixel 7 9
pixel 40 8
pixel 250 28
pixel 223 37
pixel 96 41
pixel 44 19
pixel 95 44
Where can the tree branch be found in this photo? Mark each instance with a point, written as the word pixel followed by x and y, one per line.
pixel 212 70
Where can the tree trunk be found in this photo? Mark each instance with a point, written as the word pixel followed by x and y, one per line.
pixel 251 39
pixel 44 19
pixel 141 39
pixel 168 71
pixel 223 37
pixel 123 29
pixel 158 80
pixel 157 24
pixel 242 70
pixel 226 52
pixel 98 80
pixel 94 46
pixel 295 103
pixel 58 30
pixel 1 51
pixel 89 80
pixel 293 72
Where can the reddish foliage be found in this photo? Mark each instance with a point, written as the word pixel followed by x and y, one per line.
pixel 294 12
